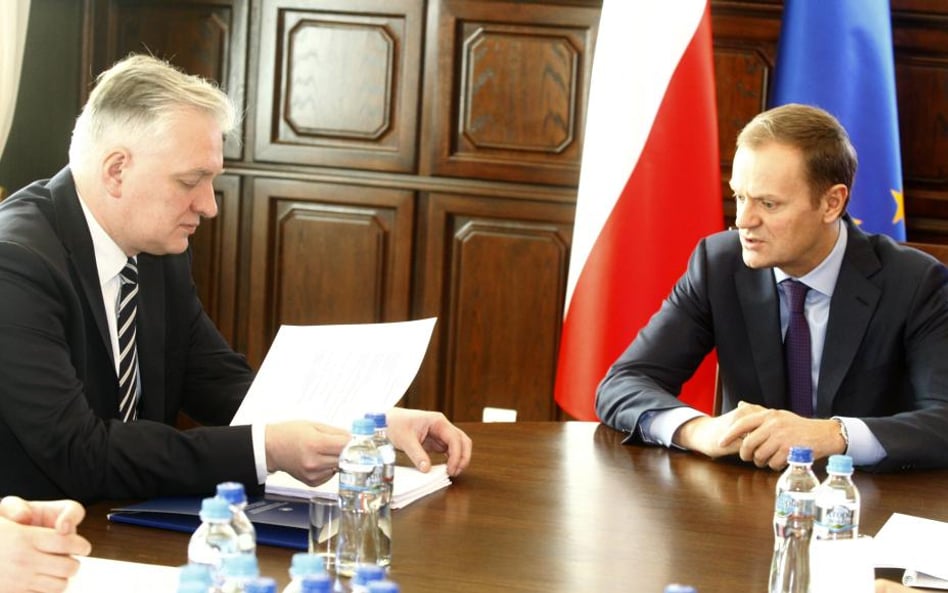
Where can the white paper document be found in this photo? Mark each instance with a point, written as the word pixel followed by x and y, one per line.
pixel 334 374
pixel 98 575
pixel 917 545
pixel 409 485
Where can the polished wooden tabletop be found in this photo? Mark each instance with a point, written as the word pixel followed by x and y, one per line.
pixel 565 507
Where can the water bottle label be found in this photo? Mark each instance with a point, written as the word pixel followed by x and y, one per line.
pixel 835 521
pixel 794 504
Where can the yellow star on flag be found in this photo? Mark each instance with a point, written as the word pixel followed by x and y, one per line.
pixel 899 206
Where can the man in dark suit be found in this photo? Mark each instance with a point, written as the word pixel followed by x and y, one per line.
pixel 873 379
pixel 85 411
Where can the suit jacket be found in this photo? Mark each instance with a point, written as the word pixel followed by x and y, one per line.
pixel 60 435
pixel 885 359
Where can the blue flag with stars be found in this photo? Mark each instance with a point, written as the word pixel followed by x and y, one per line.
pixel 837 55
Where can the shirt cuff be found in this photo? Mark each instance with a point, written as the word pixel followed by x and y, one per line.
pixel 658 427
pixel 864 447
pixel 258 436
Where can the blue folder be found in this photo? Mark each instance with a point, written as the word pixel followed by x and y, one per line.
pixel 283 523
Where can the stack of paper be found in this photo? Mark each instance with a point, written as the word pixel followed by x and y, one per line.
pixel 410 485
pixel 915 544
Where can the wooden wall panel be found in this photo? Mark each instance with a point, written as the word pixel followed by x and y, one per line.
pixel 204 37
pixel 921 73
pixel 339 83
pixel 327 253
pixel 505 94
pixel 494 273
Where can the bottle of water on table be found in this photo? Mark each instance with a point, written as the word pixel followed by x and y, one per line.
pixel 794 509
pixel 837 501
pixel 233 492
pixel 387 452
pixel 360 496
pixel 215 538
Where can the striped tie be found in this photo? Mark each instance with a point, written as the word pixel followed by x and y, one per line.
pixel 128 353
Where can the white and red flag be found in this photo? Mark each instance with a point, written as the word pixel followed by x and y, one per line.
pixel 649 188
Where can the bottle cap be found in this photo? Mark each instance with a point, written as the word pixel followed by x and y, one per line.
pixel 232 492
pixel 800 455
pixel 304 563
pixel 320 583
pixel 378 418
pixel 261 585
pixel 363 426
pixel 840 464
pixel 676 588
pixel 367 573
pixel 200 573
pixel 383 587
pixel 240 565
pixel 215 508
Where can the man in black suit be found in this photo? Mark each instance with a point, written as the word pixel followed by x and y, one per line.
pixel 876 321
pixel 143 157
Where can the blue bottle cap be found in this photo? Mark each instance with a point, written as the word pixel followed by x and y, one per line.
pixel 800 455
pixel 240 566
pixel 383 587
pixel 261 585
pixel 363 426
pixel 840 464
pixel 215 508
pixel 378 418
pixel 676 588
pixel 367 573
pixel 304 563
pixel 232 492
pixel 200 573
pixel 321 583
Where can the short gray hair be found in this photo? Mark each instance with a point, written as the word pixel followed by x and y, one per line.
pixel 135 98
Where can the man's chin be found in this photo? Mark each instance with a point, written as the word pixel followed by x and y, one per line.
pixel 753 260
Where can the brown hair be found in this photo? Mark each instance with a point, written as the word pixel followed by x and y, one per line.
pixel 828 155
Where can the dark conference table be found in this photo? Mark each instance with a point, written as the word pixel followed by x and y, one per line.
pixel 564 507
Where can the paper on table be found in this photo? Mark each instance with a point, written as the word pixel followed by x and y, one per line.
pixel 410 485
pixel 335 373
pixel 98 575
pixel 913 543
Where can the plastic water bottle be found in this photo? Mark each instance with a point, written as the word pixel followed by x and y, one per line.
pixel 233 492
pixel 317 584
pixel 676 588
pixel 383 587
pixel 360 495
pixel 365 574
pixel 387 452
pixel 215 538
pixel 236 571
pixel 303 565
pixel 837 501
pixel 261 585
pixel 793 524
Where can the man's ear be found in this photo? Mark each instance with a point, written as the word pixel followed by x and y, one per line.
pixel 834 202
pixel 114 168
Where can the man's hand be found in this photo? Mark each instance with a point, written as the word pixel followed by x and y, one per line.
pixel 765 436
pixel 37 542
pixel 417 431
pixel 308 451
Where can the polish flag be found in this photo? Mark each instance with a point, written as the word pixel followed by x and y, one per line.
pixel 649 188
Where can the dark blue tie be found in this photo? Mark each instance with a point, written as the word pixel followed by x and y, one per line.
pixel 796 347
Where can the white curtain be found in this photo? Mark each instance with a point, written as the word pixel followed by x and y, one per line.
pixel 13 20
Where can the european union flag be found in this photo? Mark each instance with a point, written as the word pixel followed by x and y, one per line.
pixel 837 55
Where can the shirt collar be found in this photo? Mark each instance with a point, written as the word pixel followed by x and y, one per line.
pixel 823 277
pixel 109 257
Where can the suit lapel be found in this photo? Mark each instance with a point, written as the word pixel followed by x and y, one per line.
pixel 151 336
pixel 74 230
pixel 757 294
pixel 853 304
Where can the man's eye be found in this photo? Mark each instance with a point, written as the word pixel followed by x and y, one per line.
pixel 768 204
pixel 738 198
